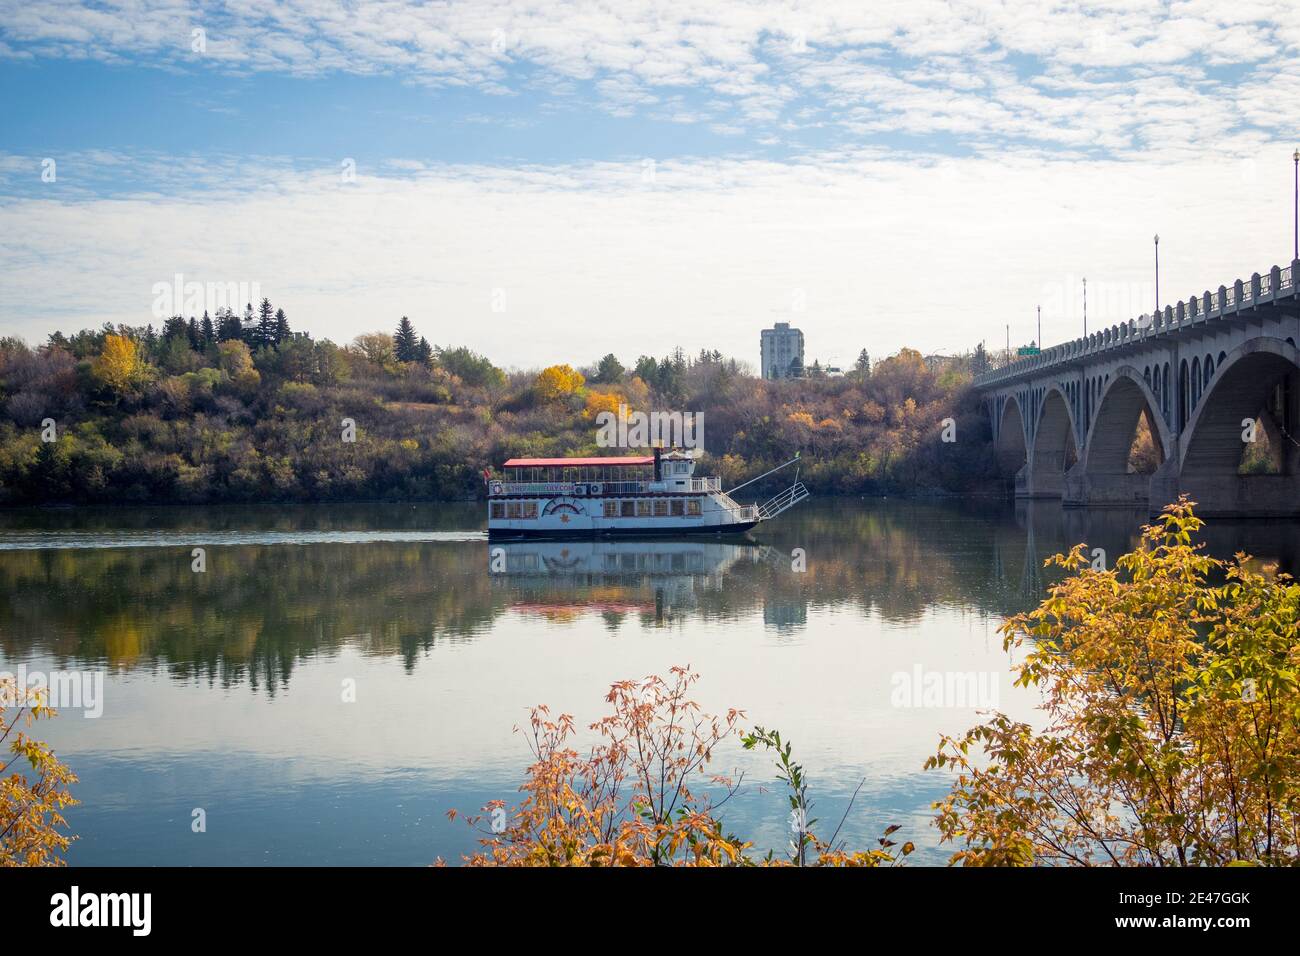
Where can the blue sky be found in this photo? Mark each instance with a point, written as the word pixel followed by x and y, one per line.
pixel 629 177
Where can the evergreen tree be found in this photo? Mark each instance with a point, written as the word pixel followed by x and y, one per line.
pixel 228 328
pixel 405 344
pixel 248 327
pixel 206 331
pixel 609 371
pixel 265 325
pixel 425 353
pixel 647 369
pixel 175 327
pixel 863 365
pixel 192 333
pixel 281 327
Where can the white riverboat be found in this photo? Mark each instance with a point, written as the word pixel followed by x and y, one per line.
pixel 628 496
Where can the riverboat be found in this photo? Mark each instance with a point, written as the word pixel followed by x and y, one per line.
pixel 625 496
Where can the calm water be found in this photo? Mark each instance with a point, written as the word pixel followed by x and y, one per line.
pixel 224 689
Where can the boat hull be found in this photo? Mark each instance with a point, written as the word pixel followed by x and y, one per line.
pixel 587 534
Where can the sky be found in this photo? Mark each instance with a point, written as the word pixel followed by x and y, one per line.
pixel 548 182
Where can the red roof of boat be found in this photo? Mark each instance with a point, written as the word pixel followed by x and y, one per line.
pixel 578 462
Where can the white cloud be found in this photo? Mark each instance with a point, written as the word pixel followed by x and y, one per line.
pixel 974 70
pixel 936 253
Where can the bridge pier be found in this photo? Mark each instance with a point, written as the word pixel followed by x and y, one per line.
pixel 1086 490
pixel 1039 483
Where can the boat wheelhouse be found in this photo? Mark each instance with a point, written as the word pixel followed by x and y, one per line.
pixel 631 495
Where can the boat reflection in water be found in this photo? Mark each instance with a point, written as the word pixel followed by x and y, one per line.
pixel 658 579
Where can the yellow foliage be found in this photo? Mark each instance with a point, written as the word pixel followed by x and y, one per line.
pixel 237 362
pixel 119 366
pixel 557 381
pixel 598 402
pixel 31 802
pixel 1172 731
pixel 802 418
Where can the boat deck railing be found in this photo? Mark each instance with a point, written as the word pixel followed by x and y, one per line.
pixel 607 488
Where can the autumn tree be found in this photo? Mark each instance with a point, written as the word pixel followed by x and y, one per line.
pixel 377 348
pixel 1172 732
pixel 119 367
pixel 235 359
pixel 557 382
pixel 33 784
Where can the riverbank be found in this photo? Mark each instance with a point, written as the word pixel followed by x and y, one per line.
pixel 122 418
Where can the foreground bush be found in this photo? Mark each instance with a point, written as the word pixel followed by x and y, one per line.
pixel 636 798
pixel 1173 719
pixel 32 798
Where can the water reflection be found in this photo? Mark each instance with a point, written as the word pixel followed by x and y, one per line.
pixel 658 581
pixel 297 591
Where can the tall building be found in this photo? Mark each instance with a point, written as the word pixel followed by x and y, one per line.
pixel 781 348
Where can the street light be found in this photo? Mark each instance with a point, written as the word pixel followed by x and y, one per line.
pixel 1157 272
pixel 1295 237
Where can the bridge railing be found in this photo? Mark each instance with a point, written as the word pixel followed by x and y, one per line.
pixel 1210 306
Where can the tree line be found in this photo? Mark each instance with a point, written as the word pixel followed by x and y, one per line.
pixel 231 407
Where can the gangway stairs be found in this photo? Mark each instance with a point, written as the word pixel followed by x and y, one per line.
pixel 782 502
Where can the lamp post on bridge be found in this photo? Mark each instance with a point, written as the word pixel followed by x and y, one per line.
pixel 1295 233
pixel 1157 272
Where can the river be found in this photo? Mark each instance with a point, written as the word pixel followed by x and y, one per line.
pixel 336 678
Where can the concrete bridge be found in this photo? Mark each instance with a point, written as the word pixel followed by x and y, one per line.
pixel 1199 374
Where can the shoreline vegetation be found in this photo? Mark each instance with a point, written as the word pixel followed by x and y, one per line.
pixel 231 409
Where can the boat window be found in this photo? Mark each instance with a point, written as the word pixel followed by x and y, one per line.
pixel 513 509
pixel 530 509
pixel 628 509
pixel 679 508
pixel 643 508
pixel 498 509
pixel 661 507
pixel 693 507
pixel 611 509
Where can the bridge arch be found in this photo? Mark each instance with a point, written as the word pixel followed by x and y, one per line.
pixel 1125 397
pixel 1243 383
pixel 1056 446
pixel 1010 446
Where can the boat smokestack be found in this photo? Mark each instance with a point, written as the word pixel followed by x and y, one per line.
pixel 659 476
